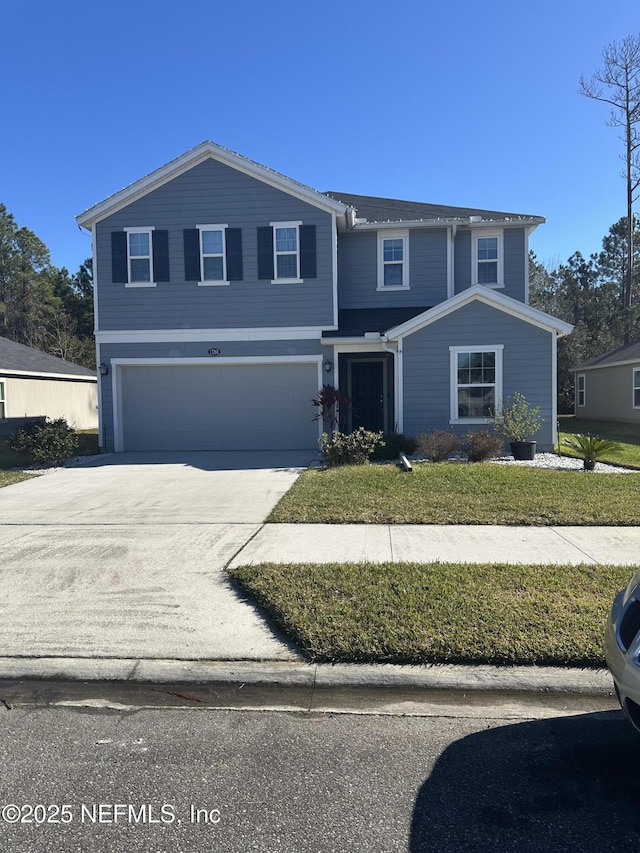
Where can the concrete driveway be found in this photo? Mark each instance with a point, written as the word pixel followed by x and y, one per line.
pixel 124 557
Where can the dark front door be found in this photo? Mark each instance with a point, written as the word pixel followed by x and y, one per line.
pixel 367 394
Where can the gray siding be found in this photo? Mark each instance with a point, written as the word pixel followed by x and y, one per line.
pixel 210 193
pixel 196 349
pixel 609 394
pixel 514 259
pixel 358 270
pixel 527 366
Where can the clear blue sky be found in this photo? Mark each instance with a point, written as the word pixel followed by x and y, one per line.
pixel 468 103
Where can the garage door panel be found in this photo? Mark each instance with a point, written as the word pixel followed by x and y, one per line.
pixel 219 407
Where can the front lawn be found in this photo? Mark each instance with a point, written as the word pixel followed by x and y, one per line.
pixel 460 493
pixel 440 612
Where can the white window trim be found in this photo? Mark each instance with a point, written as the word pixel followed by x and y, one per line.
pixel 636 370
pixel 475 236
pixel 3 400
pixel 224 282
pixel 397 234
pixel 582 376
pixel 275 279
pixel 497 349
pixel 147 229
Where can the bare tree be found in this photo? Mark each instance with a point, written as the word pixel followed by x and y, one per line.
pixel 617 83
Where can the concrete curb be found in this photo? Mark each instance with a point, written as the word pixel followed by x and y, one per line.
pixel 446 677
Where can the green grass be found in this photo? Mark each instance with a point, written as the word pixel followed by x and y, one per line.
pixel 450 493
pixel 440 612
pixel 8 478
pixel 627 435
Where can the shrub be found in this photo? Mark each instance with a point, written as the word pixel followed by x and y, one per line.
pixel 438 444
pixel 53 441
pixel 333 406
pixel 517 420
pixel 590 447
pixel 480 445
pixel 394 443
pixel 353 448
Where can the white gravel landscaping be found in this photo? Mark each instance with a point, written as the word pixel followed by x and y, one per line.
pixel 568 463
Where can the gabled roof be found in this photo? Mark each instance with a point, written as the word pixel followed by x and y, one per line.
pixel 479 293
pixel 204 151
pixel 375 209
pixel 20 359
pixel 622 355
pixel 356 322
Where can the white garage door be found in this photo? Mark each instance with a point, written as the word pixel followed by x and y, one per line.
pixel 219 406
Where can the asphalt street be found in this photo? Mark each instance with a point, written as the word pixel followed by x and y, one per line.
pixel 100 779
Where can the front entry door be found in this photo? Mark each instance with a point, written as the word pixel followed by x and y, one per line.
pixel 367 392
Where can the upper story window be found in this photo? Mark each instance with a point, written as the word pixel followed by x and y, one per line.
pixel 582 389
pixel 287 252
pixel 3 403
pixel 140 256
pixel 212 254
pixel 140 259
pixel 487 259
pixel 213 262
pixel 476 382
pixel 636 388
pixel 393 260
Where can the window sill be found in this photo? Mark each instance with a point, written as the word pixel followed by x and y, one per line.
pixel 492 286
pixel 213 284
pixel 463 421
pixel 141 284
pixel 381 287
pixel 287 281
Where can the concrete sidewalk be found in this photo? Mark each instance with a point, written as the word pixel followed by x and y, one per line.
pixel 381 543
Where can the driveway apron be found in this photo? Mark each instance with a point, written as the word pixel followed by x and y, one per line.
pixel 124 557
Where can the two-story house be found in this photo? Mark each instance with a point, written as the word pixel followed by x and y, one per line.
pixel 227 294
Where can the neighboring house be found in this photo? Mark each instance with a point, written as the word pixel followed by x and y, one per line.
pixel 34 384
pixel 608 387
pixel 227 294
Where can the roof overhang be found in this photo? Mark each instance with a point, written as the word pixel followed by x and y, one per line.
pixel 460 223
pixel 479 293
pixel 195 156
pixel 624 363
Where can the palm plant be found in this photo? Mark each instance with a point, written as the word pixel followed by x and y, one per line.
pixel 590 448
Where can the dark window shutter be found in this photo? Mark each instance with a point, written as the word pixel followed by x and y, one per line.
pixel 307 251
pixel 265 252
pixel 119 266
pixel 233 237
pixel 160 240
pixel 191 254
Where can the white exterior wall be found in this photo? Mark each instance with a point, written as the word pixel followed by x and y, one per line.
pixel 75 401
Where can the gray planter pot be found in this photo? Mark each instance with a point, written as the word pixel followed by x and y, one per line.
pixel 523 450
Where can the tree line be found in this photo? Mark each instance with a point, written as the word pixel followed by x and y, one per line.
pixel 41 305
pixel 595 294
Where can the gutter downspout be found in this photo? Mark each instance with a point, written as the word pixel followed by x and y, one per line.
pixel 397 379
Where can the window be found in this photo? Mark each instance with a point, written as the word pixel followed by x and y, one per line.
pixel 487 260
pixel 212 254
pixel 636 387
pixel 393 260
pixel 582 389
pixel 213 262
pixel 287 252
pixel 3 409
pixel 140 260
pixel 476 382
pixel 140 256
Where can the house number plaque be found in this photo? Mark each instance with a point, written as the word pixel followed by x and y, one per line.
pixel 214 351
